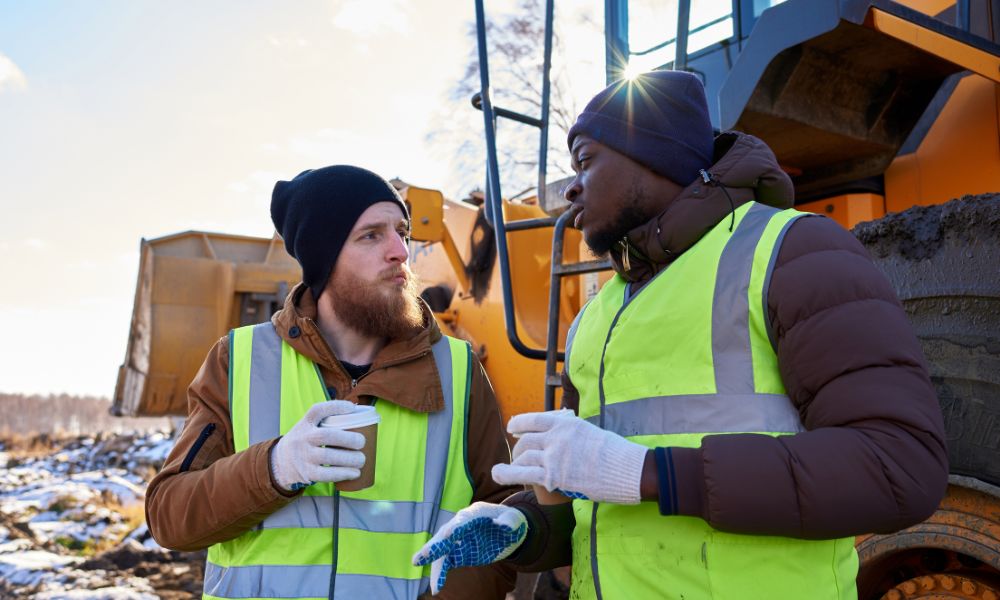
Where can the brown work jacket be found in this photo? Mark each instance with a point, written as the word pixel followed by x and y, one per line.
pixel 207 493
pixel 872 458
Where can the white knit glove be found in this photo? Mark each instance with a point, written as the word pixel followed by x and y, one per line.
pixel 309 453
pixel 479 534
pixel 562 452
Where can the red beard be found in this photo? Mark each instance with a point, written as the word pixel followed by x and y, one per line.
pixel 379 308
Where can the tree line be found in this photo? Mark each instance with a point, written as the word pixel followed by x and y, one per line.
pixel 65 414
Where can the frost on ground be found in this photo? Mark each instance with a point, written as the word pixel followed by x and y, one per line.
pixel 71 521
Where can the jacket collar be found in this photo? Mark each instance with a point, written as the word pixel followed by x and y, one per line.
pixel 414 383
pixel 745 168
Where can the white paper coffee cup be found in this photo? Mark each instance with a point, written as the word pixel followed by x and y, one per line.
pixel 364 420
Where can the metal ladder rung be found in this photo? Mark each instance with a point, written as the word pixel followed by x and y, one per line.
pixel 523 224
pixel 578 268
pixel 477 102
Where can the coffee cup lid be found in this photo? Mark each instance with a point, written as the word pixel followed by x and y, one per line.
pixel 361 417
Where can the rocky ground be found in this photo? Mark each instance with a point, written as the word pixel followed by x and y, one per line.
pixel 71 521
pixel 72 524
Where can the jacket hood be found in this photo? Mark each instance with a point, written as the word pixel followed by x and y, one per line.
pixel 745 167
pixel 409 357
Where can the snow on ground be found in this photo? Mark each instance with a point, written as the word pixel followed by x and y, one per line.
pixel 71 522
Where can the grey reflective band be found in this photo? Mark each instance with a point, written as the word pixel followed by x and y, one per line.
pixel 439 432
pixel 313 581
pixel 702 413
pixel 375 587
pixel 265 384
pixel 731 352
pixel 379 516
pixel 572 334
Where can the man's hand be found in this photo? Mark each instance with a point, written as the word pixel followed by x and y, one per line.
pixel 477 535
pixel 562 452
pixel 309 453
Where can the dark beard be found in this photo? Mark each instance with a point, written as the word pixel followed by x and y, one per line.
pixel 628 218
pixel 366 308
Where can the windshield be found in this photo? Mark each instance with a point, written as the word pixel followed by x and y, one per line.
pixel 652 27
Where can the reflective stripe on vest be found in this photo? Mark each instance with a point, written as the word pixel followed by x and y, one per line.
pixel 691 355
pixel 421 480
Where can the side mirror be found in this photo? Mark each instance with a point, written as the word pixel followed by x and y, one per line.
pixel 426 214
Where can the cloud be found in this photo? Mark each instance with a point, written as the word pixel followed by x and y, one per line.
pixel 287 42
pixel 257 185
pixel 34 243
pixel 11 77
pixel 365 18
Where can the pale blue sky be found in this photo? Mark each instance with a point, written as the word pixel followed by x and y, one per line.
pixel 128 119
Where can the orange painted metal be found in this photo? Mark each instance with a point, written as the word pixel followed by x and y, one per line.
pixel 950 49
pixel 928 7
pixel 959 155
pixel 848 209
pixel 961 540
pixel 942 587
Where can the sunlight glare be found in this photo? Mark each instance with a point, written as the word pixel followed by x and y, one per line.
pixel 632 70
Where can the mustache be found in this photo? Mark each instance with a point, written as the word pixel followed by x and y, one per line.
pixel 391 272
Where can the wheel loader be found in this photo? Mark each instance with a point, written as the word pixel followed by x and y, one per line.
pixel 885 114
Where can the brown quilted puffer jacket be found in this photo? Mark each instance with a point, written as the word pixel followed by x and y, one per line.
pixel 873 457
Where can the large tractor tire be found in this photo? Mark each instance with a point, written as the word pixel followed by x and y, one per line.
pixel 944 262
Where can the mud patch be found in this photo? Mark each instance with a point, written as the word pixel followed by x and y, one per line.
pixel 919 232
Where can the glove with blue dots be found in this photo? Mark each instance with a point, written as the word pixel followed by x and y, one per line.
pixel 480 534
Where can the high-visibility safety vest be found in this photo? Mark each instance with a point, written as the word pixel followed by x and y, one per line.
pixel 690 356
pixel 331 544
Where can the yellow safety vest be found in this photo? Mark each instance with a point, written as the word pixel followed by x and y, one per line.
pixel 690 356
pixel 330 544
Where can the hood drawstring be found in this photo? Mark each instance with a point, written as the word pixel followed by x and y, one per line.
pixel 708 178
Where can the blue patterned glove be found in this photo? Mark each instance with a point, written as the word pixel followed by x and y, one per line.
pixel 478 535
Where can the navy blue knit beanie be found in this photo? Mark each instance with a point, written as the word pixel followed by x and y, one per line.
pixel 658 119
pixel 315 212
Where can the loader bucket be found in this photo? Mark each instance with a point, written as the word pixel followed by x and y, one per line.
pixel 193 287
pixel 838 95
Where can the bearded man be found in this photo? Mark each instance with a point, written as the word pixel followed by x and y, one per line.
pixel 252 475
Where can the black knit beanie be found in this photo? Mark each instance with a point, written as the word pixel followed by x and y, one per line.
pixel 658 119
pixel 315 212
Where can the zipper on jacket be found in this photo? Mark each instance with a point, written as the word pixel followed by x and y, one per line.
pixel 354 381
pixel 207 431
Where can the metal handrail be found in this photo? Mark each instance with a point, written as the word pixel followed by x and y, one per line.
pixel 494 201
pixel 494 208
pixel 560 270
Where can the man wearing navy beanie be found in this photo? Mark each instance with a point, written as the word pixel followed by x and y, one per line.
pixel 744 395
pixel 290 508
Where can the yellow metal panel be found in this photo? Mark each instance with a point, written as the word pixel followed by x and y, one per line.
pixel 188 296
pixel 426 213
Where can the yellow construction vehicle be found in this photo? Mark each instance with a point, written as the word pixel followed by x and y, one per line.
pixel 881 112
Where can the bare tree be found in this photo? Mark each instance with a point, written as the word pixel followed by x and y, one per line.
pixel 516 45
